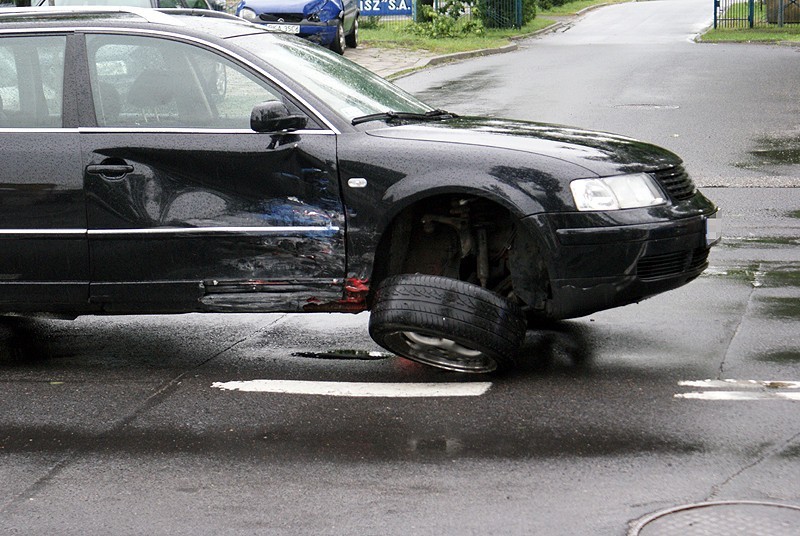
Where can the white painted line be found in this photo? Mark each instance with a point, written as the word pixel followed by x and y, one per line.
pixel 741 384
pixel 357 389
pixel 739 395
pixel 747 390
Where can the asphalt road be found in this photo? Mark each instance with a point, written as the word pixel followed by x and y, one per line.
pixel 731 111
pixel 130 425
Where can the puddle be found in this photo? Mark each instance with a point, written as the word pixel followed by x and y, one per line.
pixel 783 278
pixel 743 242
pixel 451 94
pixel 791 452
pixel 761 275
pixel 783 307
pixel 774 151
pixel 783 357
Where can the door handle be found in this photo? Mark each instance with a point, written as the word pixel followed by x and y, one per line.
pixel 109 171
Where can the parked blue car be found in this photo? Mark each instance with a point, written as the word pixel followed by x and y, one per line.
pixel 330 23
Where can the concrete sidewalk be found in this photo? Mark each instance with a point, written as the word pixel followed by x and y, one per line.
pixel 394 62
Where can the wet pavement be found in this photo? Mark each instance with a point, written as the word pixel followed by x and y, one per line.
pixel 125 425
pixel 614 424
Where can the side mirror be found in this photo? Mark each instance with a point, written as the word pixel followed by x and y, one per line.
pixel 274 116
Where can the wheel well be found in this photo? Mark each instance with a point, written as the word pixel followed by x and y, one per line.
pixel 463 237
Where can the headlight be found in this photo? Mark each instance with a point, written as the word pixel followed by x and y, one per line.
pixel 249 14
pixel 614 193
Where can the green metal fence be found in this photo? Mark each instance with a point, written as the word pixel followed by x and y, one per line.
pixel 755 13
pixel 493 13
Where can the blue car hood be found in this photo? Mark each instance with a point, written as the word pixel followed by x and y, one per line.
pixel 294 6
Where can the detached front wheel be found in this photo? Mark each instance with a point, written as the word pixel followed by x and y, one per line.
pixel 446 323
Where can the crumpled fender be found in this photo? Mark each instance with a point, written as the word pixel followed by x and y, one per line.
pixel 325 9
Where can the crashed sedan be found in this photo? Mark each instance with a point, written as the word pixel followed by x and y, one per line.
pixel 330 23
pixel 311 185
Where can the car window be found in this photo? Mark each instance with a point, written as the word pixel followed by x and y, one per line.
pixel 31 81
pixel 347 88
pixel 153 82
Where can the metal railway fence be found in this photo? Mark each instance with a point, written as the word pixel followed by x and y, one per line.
pixel 755 13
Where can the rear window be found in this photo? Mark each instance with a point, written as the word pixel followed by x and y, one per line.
pixel 31 81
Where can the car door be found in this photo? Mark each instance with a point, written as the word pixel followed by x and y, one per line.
pixel 44 260
pixel 188 208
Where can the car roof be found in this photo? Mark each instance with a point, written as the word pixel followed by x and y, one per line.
pixel 202 21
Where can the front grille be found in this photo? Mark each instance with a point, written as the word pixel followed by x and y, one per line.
pixel 655 267
pixel 676 182
pixel 292 18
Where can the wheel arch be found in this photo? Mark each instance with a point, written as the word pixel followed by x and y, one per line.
pixel 497 207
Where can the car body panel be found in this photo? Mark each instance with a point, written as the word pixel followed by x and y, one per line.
pixel 42 207
pixel 600 153
pixel 315 20
pixel 219 210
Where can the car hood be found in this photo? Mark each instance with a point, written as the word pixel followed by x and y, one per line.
pixel 600 153
pixel 305 7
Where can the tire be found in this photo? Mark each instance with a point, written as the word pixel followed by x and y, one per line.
pixel 446 323
pixel 338 43
pixel 351 40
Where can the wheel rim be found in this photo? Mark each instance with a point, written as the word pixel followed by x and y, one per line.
pixel 444 353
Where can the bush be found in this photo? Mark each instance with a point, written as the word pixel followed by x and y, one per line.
pixel 449 21
pixel 446 21
pixel 549 4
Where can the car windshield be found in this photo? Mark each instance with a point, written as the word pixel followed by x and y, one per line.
pixel 347 88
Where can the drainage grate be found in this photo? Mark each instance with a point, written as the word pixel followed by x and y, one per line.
pixel 727 518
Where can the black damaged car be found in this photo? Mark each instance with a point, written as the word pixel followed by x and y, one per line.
pixel 170 162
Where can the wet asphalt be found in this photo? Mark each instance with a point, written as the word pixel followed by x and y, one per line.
pixel 115 425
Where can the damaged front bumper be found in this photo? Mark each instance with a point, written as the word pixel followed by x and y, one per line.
pixel 594 264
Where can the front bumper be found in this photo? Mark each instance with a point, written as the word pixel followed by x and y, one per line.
pixel 322 33
pixel 599 266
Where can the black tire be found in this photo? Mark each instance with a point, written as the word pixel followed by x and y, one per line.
pixel 446 323
pixel 352 38
pixel 338 43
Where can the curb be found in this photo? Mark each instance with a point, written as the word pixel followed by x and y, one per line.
pixel 458 56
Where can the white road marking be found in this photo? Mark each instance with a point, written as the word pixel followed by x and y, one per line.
pixel 741 384
pixel 747 390
pixel 357 389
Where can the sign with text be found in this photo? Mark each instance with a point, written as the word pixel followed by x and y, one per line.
pixel 375 8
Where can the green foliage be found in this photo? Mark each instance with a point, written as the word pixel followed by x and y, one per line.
pixel 449 20
pixel 550 4
pixel 446 21
pixel 369 23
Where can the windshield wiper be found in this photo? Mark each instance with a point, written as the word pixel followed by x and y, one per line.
pixel 397 116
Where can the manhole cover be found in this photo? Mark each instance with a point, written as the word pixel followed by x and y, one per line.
pixel 729 518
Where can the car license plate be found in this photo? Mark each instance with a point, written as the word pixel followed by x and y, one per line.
pixel 713 229
pixel 284 28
